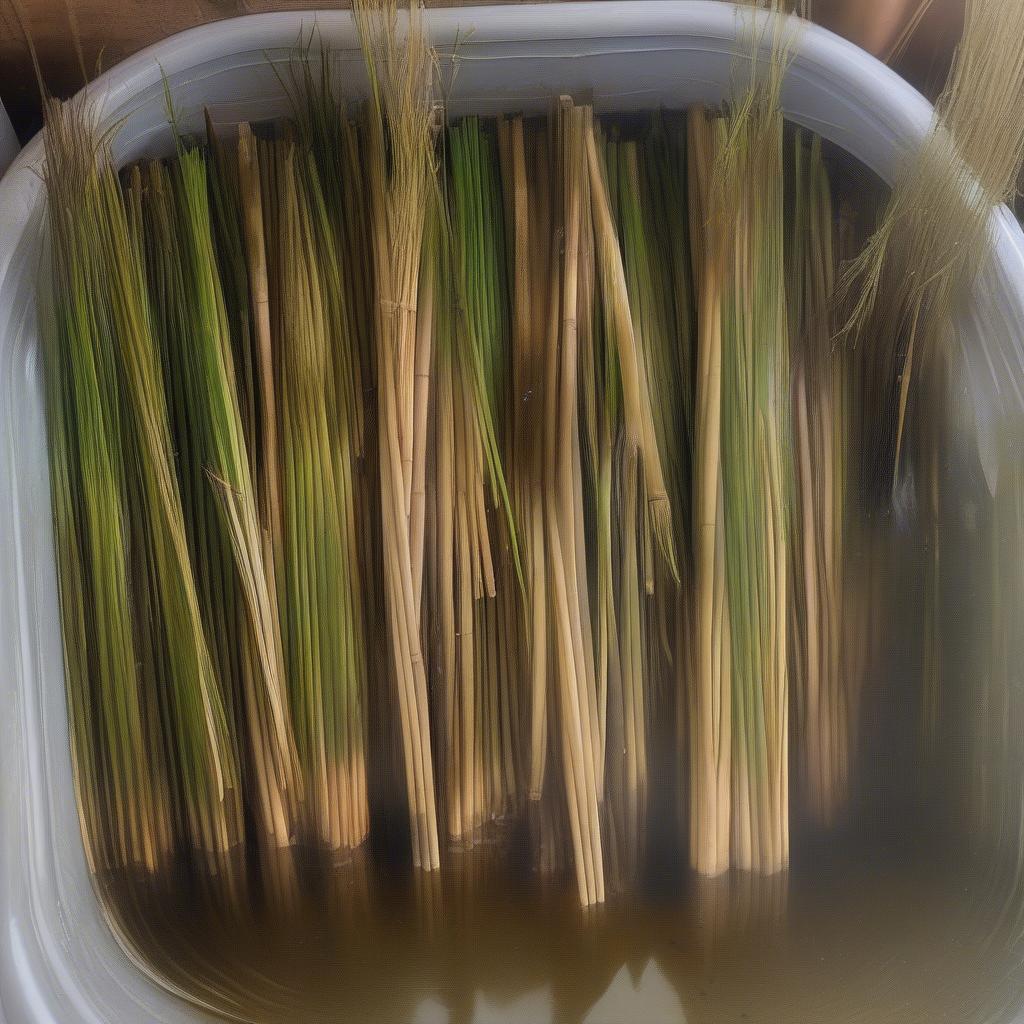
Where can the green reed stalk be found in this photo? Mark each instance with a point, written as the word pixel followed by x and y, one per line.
pixel 237 585
pixel 754 439
pixel 113 706
pixel 205 771
pixel 478 588
pixel 319 590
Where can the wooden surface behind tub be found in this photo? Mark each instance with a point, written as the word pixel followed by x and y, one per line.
pixel 111 30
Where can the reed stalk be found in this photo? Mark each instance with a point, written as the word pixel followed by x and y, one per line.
pixel 480 709
pixel 821 442
pixel 113 705
pixel 640 431
pixel 320 595
pixel 401 179
pixel 755 488
pixel 710 712
pixel 573 679
pixel 204 770
pixel 238 612
pixel 937 220
pixel 524 457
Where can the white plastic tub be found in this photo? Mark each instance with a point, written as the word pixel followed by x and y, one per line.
pixel 58 961
pixel 8 141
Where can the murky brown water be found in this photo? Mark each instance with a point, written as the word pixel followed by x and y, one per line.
pixel 888 921
pixel 867 937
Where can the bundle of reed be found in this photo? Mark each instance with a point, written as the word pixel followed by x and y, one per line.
pixel 336 142
pixel 732 298
pixel 572 675
pixel 331 137
pixel 754 433
pixel 321 597
pixel 401 182
pixel 110 654
pixel 820 443
pixel 599 418
pixel 237 585
pixel 641 435
pixel 526 156
pixel 476 555
pixel 113 329
pixel 655 252
pixel 937 221
pixel 641 654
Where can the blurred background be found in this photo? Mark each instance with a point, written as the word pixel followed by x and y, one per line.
pixel 916 36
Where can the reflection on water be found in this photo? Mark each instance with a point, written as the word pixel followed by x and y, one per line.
pixel 866 937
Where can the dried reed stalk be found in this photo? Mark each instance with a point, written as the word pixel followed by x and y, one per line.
pixel 711 706
pixel 401 179
pixel 821 442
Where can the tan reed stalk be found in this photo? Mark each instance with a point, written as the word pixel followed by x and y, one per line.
pixel 643 184
pixel 524 172
pixel 820 442
pixel 711 707
pixel 268 475
pixel 621 586
pixel 527 633
pixel 640 431
pixel 754 429
pixel 401 181
pixel 275 784
pixel 574 686
pixel 421 405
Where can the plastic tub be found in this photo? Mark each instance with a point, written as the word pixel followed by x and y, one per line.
pixel 8 141
pixel 58 960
